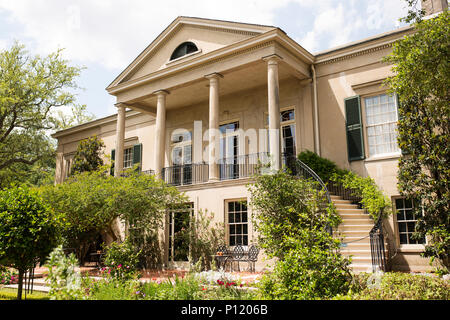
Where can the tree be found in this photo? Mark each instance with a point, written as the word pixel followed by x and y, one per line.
pixel 88 155
pixel 30 88
pixel 92 201
pixel 421 81
pixel 28 230
pixel 291 218
pixel 78 115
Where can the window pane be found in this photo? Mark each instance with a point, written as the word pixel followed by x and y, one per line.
pixel 381 119
pixel 287 115
pixel 406 221
pixel 237 222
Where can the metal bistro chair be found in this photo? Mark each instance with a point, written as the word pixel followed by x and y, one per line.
pixel 238 254
pixel 253 252
pixel 223 259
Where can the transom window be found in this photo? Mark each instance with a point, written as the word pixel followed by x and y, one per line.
pixel 128 158
pixel 406 220
pixel 381 124
pixel 183 49
pixel 237 223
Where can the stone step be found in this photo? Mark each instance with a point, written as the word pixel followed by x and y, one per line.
pixel 350 215
pixel 340 206
pixel 359 227
pixel 356 221
pixel 352 210
pixel 354 241
pixel 356 252
pixel 358 256
pixel 354 233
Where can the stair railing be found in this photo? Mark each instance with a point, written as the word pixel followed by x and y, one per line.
pixel 299 168
pixel 377 249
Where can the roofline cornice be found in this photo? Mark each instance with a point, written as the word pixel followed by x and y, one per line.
pixel 362 47
pixel 92 124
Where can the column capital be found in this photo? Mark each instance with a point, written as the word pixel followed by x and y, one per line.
pixel 272 59
pixel 214 75
pixel 120 105
pixel 161 92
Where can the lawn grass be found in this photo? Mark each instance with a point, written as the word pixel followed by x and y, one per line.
pixel 11 294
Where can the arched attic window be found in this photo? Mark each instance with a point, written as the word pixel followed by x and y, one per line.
pixel 183 49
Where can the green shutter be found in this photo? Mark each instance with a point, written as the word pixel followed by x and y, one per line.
pixel 137 155
pixel 113 157
pixel 353 124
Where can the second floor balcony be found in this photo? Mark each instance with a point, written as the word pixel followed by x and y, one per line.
pixel 237 167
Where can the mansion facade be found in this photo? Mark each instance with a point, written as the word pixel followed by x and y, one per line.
pixel 208 99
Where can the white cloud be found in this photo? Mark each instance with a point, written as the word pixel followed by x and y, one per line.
pixel 337 23
pixel 114 32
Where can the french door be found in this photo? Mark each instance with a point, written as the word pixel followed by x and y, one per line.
pixel 178 224
pixel 229 151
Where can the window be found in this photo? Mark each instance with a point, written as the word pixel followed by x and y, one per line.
pixel 287 128
pixel 406 221
pixel 237 223
pixel 381 124
pixel 182 148
pixel 288 131
pixel 181 171
pixel 128 158
pixel 229 151
pixel 183 49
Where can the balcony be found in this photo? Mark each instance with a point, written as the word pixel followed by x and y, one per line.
pixel 241 166
pixel 230 168
pixel 187 174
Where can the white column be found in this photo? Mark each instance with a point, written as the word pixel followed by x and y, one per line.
pixel 120 137
pixel 274 111
pixel 213 125
pixel 160 134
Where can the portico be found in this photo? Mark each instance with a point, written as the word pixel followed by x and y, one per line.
pixel 209 77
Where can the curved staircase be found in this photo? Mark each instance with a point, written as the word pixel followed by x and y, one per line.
pixel 362 237
pixel 355 231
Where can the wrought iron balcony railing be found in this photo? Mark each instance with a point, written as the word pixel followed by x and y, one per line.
pixel 243 166
pixel 186 174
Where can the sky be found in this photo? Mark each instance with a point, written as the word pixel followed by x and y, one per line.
pixel 105 36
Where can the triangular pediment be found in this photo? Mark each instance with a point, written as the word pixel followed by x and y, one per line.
pixel 207 35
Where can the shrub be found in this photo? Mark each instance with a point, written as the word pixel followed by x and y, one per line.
pixel 323 167
pixel 398 286
pixel 7 275
pixel 28 230
pixel 64 280
pixel 372 198
pixel 204 238
pixel 192 287
pixel 121 261
pixel 291 218
pixel 113 289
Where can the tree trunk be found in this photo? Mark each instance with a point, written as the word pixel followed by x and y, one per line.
pixel 20 284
